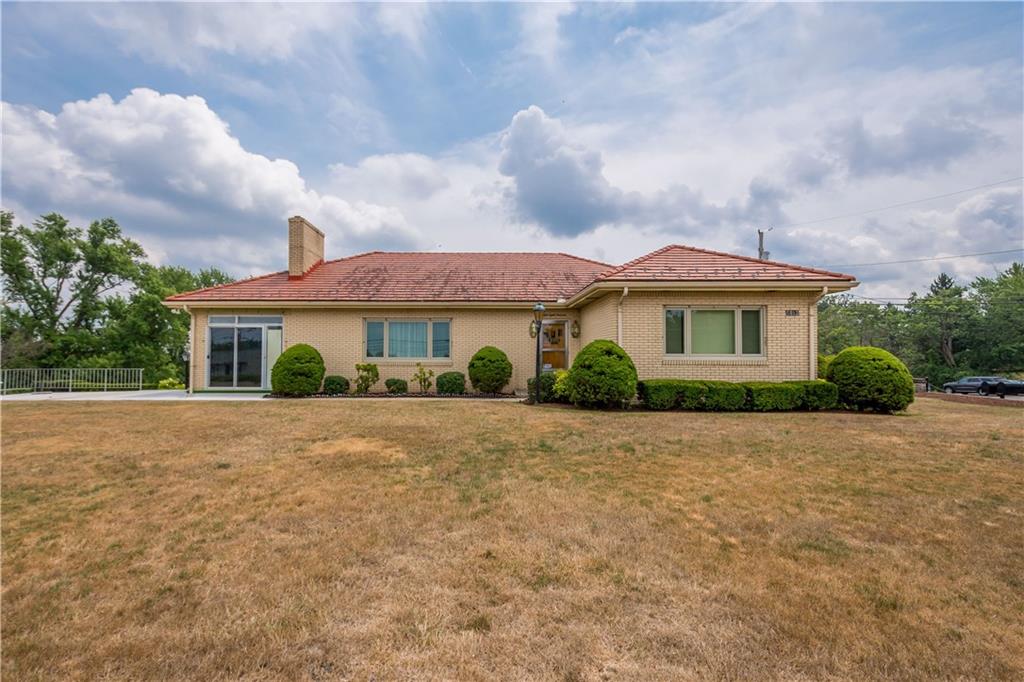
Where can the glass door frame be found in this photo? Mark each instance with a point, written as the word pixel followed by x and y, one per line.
pixel 261 322
pixel 564 350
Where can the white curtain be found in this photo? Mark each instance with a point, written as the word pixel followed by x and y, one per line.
pixel 407 339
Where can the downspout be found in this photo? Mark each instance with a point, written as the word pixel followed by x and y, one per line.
pixel 191 349
pixel 812 336
pixel 618 332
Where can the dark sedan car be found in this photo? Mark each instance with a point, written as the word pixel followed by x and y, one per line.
pixel 985 386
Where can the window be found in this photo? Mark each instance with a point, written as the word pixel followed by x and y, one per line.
pixel 408 339
pixel 442 341
pixel 714 331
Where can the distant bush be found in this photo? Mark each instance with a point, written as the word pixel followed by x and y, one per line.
pixel 170 384
pixel 602 375
pixel 764 396
pixel 298 371
pixel 818 394
pixel 871 379
pixel 335 385
pixel 489 370
pixel 423 377
pixel 823 362
pixel 367 375
pixel 397 385
pixel 451 383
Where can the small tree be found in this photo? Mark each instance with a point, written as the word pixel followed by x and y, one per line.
pixel 423 377
pixel 367 376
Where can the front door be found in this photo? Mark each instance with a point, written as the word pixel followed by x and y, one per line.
pixel 553 348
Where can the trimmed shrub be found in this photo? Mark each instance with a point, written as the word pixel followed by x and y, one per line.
pixel 489 370
pixel 724 396
pixel 335 385
pixel 602 375
pixel 818 394
pixel 560 391
pixel 397 385
pixel 451 383
pixel 871 379
pixel 658 394
pixel 547 387
pixel 170 383
pixel 823 362
pixel 764 396
pixel 298 371
pixel 367 375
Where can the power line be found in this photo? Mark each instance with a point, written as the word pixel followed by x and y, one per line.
pixel 905 203
pixel 923 260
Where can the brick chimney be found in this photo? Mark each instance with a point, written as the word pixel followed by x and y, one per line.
pixel 305 247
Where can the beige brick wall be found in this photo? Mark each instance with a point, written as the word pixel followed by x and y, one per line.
pixel 338 335
pixel 786 346
pixel 598 319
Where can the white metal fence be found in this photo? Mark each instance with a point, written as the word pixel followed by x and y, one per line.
pixel 70 379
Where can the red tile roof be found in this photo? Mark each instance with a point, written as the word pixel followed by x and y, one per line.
pixel 495 277
pixel 389 277
pixel 675 263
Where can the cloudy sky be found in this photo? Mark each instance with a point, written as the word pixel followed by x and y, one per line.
pixel 601 130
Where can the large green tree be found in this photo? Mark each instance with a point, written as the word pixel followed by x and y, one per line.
pixel 88 298
pixel 951 330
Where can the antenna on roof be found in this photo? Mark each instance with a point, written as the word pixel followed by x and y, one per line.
pixel 761 253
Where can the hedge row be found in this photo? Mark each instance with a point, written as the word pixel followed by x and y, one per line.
pixel 724 396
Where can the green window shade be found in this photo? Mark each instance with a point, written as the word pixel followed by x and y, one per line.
pixel 751 325
pixel 407 339
pixel 442 340
pixel 673 331
pixel 374 339
pixel 713 332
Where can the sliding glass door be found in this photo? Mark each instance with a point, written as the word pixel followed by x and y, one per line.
pixel 243 350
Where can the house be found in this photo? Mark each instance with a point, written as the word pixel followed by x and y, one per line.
pixel 679 312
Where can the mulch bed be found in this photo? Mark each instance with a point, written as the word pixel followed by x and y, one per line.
pixel 971 399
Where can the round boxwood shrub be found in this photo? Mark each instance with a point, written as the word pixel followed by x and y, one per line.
pixel 451 383
pixel 489 370
pixel 602 375
pixel 823 362
pixel 298 371
pixel 335 385
pixel 871 379
pixel 397 385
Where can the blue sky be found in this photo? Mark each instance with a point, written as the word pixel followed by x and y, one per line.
pixel 602 130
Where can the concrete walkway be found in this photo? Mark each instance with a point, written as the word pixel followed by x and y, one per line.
pixel 182 395
pixel 129 395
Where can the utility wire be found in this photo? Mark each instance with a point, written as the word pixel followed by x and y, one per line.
pixel 922 260
pixel 905 203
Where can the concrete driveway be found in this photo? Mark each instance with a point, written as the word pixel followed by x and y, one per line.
pixel 130 395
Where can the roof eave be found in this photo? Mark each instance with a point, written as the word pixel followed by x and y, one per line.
pixel 832 285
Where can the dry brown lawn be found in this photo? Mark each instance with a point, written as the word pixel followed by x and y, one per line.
pixel 481 540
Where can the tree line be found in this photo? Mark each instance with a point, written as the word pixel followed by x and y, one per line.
pixel 75 297
pixel 950 331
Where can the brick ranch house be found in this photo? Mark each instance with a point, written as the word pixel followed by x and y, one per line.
pixel 679 312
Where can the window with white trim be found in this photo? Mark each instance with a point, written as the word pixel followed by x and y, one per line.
pixel 714 332
pixel 407 339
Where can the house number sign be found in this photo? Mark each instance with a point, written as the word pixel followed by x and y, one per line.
pixel 792 313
